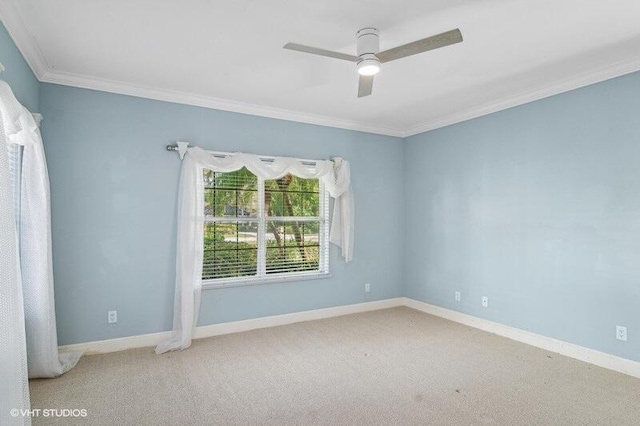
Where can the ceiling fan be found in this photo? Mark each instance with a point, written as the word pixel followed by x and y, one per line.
pixel 369 56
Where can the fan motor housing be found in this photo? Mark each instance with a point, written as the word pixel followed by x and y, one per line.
pixel 368 42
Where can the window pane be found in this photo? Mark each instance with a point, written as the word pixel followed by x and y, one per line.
pixel 292 196
pixel 292 246
pixel 230 250
pixel 233 194
pixel 289 245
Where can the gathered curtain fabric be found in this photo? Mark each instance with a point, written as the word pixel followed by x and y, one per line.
pixel 34 241
pixel 190 245
pixel 14 386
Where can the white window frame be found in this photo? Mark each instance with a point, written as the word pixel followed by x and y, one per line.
pixel 261 276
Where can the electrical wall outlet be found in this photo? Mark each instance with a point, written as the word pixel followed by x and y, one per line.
pixel 112 317
pixel 457 296
pixel 621 333
pixel 367 287
pixel 485 301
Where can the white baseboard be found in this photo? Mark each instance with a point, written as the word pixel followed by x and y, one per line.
pixel 118 344
pixel 147 340
pixel 601 359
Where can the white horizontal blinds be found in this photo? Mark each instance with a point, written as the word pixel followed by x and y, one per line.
pixel 15 162
pixel 231 194
pixel 256 228
pixel 324 231
pixel 231 225
pixel 293 225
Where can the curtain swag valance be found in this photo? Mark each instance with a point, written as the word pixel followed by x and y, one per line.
pixel 336 176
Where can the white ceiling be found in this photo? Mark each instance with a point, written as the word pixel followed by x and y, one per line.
pixel 228 54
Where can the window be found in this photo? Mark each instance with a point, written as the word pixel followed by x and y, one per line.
pixel 263 230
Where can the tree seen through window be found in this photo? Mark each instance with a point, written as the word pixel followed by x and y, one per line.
pixel 289 227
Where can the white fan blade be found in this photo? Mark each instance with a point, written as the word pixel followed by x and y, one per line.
pixel 429 43
pixel 321 52
pixel 365 85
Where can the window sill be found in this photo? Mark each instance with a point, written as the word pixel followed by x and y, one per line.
pixel 241 282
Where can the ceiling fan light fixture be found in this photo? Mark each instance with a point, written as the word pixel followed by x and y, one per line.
pixel 369 57
pixel 368 65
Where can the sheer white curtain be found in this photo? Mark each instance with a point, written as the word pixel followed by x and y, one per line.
pixel 14 387
pixel 191 222
pixel 339 185
pixel 35 242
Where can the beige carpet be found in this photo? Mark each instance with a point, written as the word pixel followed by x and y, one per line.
pixel 396 366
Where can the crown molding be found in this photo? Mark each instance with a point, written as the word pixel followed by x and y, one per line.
pixel 105 85
pixel 565 85
pixel 23 39
pixel 584 79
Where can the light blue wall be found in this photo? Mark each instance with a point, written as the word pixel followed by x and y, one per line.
pixel 17 73
pixel 538 208
pixel 114 189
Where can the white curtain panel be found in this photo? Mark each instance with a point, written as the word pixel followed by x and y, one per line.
pixel 188 256
pixel 335 175
pixel 342 231
pixel 14 386
pixel 35 244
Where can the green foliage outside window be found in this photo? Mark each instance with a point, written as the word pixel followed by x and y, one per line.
pixel 231 247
